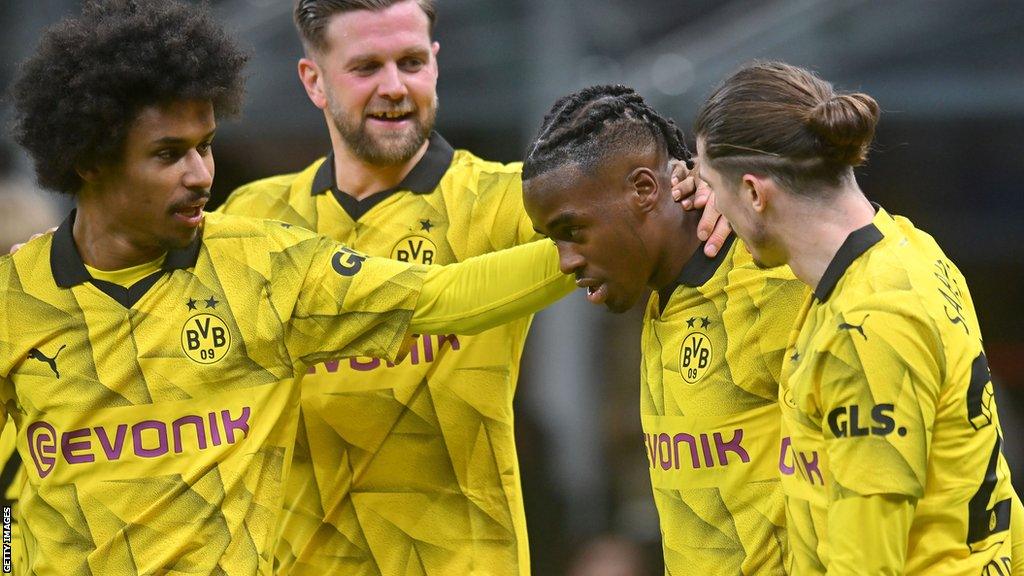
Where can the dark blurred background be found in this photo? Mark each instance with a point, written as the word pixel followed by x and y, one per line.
pixel 950 78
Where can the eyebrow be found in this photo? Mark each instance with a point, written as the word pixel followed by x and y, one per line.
pixel 562 219
pixel 372 57
pixel 177 140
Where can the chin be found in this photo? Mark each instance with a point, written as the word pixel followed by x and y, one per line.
pixel 180 240
pixel 619 306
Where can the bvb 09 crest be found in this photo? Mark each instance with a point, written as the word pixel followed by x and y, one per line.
pixel 205 338
pixel 416 249
pixel 695 356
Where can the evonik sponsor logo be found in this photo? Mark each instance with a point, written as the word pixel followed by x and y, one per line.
pixel 425 349
pixel 806 464
pixel 144 439
pixel 663 450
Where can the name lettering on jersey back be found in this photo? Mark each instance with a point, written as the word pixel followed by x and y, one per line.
pixel 144 439
pixel 665 450
pixel 847 421
pixel 424 350
pixel 951 292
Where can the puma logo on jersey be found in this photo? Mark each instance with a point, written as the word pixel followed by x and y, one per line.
pixel 36 354
pixel 857 327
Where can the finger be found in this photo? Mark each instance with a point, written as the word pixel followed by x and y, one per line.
pixel 679 171
pixel 701 194
pixel 684 189
pixel 16 247
pixel 718 237
pixel 708 220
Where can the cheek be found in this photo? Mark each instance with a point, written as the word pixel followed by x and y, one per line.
pixel 424 87
pixel 349 93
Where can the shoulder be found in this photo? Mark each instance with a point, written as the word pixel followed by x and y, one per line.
pixel 469 173
pixel 888 327
pixel 771 289
pixel 230 231
pixel 285 196
pixel 281 184
pixel 33 257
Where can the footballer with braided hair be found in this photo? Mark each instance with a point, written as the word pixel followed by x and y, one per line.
pixel 596 180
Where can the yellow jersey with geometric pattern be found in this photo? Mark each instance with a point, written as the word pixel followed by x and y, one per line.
pixel 886 390
pixel 712 351
pixel 428 481
pixel 157 422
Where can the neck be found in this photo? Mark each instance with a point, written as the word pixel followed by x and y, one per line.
pixel 819 230
pixel 359 179
pixel 104 242
pixel 679 245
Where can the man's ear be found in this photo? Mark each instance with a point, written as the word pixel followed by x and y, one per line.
pixel 644 188
pixel 758 191
pixel 312 80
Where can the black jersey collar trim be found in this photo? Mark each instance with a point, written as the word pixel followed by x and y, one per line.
pixel 422 179
pixel 697 270
pixel 857 243
pixel 69 270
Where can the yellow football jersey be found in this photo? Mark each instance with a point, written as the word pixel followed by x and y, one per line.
pixel 428 482
pixel 157 422
pixel 886 391
pixel 712 351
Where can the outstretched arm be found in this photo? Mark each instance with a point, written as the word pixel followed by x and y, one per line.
pixel 489 290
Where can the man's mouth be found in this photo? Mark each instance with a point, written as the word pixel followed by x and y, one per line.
pixel 597 291
pixel 391 115
pixel 191 213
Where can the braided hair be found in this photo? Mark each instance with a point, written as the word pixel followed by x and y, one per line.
pixel 586 127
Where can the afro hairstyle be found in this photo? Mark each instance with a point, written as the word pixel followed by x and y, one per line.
pixel 76 98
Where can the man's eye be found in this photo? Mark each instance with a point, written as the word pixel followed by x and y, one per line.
pixel 204 148
pixel 573 233
pixel 168 155
pixel 412 64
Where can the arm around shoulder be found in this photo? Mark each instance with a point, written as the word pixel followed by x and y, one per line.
pixel 489 290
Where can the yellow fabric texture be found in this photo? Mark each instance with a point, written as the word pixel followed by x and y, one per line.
pixel 708 388
pixel 876 528
pixel 886 391
pixel 429 477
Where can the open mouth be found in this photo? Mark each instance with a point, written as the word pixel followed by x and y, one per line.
pixel 391 116
pixel 191 214
pixel 597 291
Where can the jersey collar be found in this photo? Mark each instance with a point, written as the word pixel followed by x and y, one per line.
pixel 698 269
pixel 68 269
pixel 423 178
pixel 857 243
